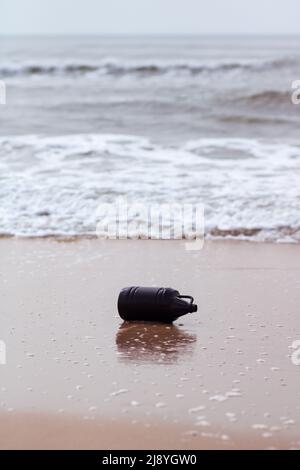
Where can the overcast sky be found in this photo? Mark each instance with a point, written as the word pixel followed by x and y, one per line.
pixel 149 16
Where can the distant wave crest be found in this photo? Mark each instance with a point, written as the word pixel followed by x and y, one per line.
pixel 266 97
pixel 119 68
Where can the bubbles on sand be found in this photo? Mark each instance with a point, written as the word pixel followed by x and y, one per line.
pixel 231 417
pixel 289 422
pixel 119 392
pixel 259 426
pixel 219 398
pixel 93 408
pixel 191 433
pixel 234 392
pixel 160 404
pixel 196 409
pixel 30 355
pixel 134 403
pixel 202 422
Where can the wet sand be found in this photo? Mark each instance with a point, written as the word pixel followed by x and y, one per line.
pixel 77 377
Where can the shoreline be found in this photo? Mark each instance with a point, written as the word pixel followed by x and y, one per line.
pixel 74 368
pixel 87 237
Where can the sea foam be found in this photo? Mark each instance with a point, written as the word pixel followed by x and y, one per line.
pixel 52 186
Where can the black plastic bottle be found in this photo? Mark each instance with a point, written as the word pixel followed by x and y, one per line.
pixel 154 304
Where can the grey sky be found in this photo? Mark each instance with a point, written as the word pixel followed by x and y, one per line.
pixel 149 16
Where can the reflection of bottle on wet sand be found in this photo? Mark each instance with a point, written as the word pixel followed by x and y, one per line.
pixel 159 343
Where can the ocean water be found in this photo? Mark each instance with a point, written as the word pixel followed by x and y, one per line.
pixel 156 119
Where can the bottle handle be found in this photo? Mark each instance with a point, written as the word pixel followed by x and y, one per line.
pixel 187 297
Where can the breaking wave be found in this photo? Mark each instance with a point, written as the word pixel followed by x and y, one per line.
pixel 52 186
pixel 119 68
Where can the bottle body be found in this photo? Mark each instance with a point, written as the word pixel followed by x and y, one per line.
pixel 154 304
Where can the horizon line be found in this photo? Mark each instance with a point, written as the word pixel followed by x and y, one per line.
pixel 47 34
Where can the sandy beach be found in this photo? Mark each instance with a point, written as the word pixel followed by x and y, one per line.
pixel 78 378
